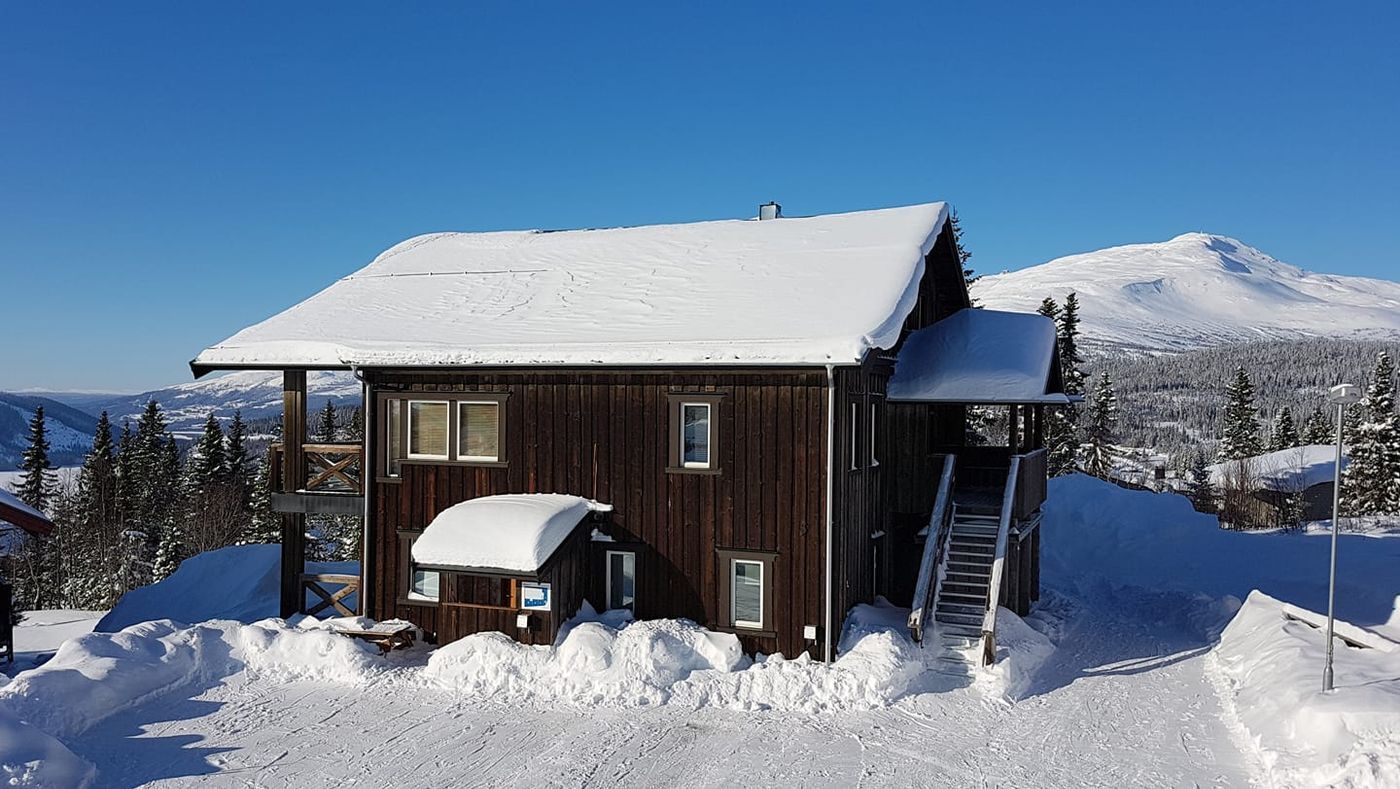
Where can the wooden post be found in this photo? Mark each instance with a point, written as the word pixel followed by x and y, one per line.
pixel 1038 434
pixel 1013 419
pixel 1035 564
pixel 293 477
pixel 1023 604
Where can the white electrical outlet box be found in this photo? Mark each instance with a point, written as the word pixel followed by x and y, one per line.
pixel 809 632
pixel 522 621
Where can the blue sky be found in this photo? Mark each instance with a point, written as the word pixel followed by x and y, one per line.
pixel 172 172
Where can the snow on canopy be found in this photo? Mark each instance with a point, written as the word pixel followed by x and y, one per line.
pixel 12 510
pixel 1287 470
pixel 978 356
pixel 808 290
pixel 516 532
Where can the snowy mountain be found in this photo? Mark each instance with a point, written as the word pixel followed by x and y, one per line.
pixel 1199 290
pixel 71 416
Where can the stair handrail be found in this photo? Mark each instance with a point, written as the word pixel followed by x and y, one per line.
pixel 935 554
pixel 989 618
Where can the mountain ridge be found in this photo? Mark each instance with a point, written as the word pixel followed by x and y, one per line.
pixel 1198 290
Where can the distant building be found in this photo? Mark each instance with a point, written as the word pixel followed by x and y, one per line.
pixel 1285 487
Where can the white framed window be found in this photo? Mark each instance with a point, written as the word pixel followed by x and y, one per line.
pixel 696 443
pixel 423 584
pixel 478 430
pixel 855 433
pixel 746 593
pixel 622 580
pixel 428 429
pixel 874 433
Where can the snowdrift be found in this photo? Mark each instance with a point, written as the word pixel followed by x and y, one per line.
pixel 240 582
pixel 1270 672
pixel 1097 532
pixel 97 675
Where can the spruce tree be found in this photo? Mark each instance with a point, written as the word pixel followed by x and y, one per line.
pixel 326 424
pixel 1284 434
pixel 1201 491
pixel 37 484
pixel 208 465
pixel 1372 476
pixel 1241 434
pixel 963 254
pixel 1071 362
pixel 1059 430
pixel 263 525
pixel 94 531
pixel 1319 429
pixel 355 431
pixel 239 471
pixel 1103 419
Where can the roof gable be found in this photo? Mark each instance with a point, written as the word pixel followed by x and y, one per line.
pixel 811 290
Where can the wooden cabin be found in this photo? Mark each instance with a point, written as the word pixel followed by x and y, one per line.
pixel 16 513
pixel 717 392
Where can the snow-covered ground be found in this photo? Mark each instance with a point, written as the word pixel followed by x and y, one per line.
pixel 1140 691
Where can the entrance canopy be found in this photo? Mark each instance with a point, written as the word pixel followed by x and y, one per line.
pixel 12 510
pixel 980 357
pixel 512 533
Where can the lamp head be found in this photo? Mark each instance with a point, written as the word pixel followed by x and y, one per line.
pixel 1344 394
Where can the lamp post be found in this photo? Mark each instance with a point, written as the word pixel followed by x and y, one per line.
pixel 1342 395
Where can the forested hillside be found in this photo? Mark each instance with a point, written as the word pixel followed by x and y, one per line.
pixel 1172 402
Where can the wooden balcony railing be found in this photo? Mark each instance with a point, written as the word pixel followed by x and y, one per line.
pixel 322 586
pixel 330 468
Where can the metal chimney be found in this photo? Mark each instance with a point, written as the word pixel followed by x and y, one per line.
pixel 770 210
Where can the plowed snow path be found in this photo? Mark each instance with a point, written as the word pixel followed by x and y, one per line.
pixel 1124 702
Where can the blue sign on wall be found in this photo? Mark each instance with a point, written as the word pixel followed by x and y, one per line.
pixel 534 597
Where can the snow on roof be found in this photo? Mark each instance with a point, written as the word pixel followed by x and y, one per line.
pixel 978 356
pixel 12 510
pixel 808 290
pixel 1287 470
pixel 514 532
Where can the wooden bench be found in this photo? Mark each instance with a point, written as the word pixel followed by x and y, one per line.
pixel 386 636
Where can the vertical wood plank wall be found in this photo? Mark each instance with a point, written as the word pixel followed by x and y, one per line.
pixel 604 435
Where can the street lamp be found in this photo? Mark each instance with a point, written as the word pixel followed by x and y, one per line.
pixel 1342 395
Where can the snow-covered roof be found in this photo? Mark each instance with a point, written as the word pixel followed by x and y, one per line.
pixel 515 532
pixel 806 290
pixel 979 356
pixel 1287 470
pixel 12 510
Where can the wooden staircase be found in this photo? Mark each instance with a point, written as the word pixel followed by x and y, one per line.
pixel 964 586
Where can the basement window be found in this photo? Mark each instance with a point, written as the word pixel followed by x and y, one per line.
pixel 746 602
pixel 416 585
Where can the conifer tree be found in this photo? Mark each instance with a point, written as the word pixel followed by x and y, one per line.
pixel 1318 428
pixel 92 542
pixel 1201 491
pixel 355 431
pixel 1371 482
pixel 963 254
pixel 326 423
pixel 36 486
pixel 239 471
pixel 1284 434
pixel 1103 419
pixel 1060 441
pixel 263 525
pixel 1241 434
pixel 1071 362
pixel 208 465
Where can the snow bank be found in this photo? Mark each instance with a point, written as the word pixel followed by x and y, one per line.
pixel 98 674
pixel 1270 672
pixel 1021 650
pixel 1097 532
pixel 678 662
pixel 1287 470
pixel 515 531
pixel 309 649
pixel 241 582
pixel 29 757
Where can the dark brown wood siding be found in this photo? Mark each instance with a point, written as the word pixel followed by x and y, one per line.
pixel 605 436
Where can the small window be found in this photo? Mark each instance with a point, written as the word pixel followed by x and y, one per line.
pixel 393 444
pixel 478 431
pixel 622 580
pixel 423 584
pixel 855 432
pixel 695 435
pixel 875 433
pixel 427 429
pixel 746 593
